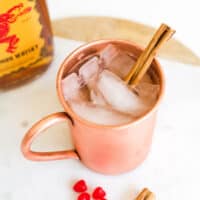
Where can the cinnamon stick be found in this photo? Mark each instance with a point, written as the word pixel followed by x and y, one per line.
pixel 163 34
pixel 145 194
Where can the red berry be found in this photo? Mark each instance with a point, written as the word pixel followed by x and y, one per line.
pixel 80 186
pixel 101 199
pixel 98 193
pixel 84 196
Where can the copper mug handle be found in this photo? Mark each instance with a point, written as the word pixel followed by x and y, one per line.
pixel 37 129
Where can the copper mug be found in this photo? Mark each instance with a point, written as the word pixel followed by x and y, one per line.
pixel 105 149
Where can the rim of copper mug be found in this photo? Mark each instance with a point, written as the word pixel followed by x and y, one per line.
pixel 73 115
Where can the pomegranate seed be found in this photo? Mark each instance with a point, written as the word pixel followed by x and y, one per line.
pixel 84 196
pixel 98 193
pixel 80 186
pixel 101 199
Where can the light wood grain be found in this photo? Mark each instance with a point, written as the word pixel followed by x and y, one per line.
pixel 93 28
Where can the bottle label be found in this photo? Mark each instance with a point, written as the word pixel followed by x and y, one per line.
pixel 20 35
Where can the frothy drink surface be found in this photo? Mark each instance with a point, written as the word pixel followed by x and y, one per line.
pixel 98 93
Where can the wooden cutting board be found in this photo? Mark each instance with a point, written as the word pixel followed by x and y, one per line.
pixel 93 28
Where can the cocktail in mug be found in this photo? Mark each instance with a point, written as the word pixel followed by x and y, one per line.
pixel 111 123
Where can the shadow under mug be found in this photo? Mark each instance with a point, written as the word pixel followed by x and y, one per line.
pixel 104 149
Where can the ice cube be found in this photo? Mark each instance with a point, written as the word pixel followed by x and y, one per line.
pixel 89 70
pixel 109 53
pixel 99 114
pixel 72 89
pixel 116 60
pixel 118 95
pixel 148 92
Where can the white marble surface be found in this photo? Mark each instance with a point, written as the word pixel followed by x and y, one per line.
pixel 172 167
